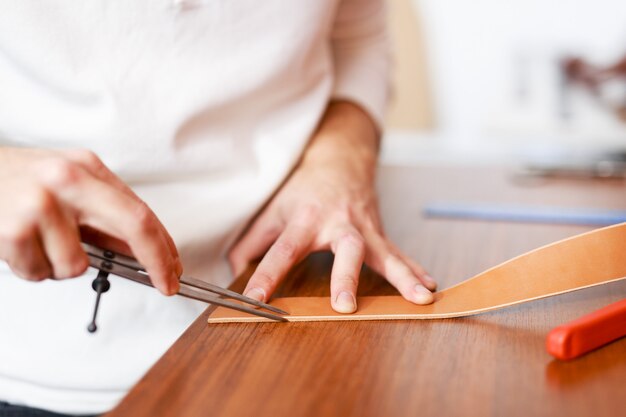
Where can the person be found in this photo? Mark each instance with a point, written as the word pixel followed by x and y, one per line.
pixel 197 133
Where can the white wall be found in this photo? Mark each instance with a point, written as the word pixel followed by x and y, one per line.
pixel 475 48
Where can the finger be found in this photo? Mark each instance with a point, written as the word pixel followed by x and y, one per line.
pixel 428 281
pixel 254 243
pixel 24 254
pixel 134 223
pixel 89 161
pixel 107 209
pixel 349 252
pixel 61 243
pixel 395 270
pixel 103 240
pixel 292 245
pixel 169 240
pixel 419 271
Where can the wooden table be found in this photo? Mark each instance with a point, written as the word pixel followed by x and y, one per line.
pixel 494 364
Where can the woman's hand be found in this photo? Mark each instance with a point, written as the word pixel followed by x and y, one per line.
pixel 50 197
pixel 329 203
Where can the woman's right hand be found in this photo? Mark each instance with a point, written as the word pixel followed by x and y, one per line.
pixel 53 199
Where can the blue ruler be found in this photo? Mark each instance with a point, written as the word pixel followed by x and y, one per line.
pixel 550 215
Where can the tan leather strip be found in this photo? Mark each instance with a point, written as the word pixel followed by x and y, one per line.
pixel 582 261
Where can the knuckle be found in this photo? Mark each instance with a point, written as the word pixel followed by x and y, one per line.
pixel 418 268
pixel 308 214
pixel 262 279
pixel 236 258
pixel 93 161
pixel 144 219
pixel 62 173
pixel 87 156
pixel 393 263
pixel 160 267
pixel 345 210
pixel 42 202
pixel 374 224
pixel 354 240
pixel 233 256
pixel 72 267
pixel 271 233
pixel 286 250
pixel 18 237
pixel 168 264
pixel 34 274
pixel 349 211
pixel 348 280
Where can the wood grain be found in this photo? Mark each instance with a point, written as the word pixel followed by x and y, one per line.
pixel 494 364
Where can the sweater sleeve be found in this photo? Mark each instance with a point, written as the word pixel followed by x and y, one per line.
pixel 361 56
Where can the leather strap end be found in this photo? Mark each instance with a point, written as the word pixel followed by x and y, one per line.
pixel 588 333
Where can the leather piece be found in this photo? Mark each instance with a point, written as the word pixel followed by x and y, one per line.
pixel 582 261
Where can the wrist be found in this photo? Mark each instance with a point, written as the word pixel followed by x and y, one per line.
pixel 346 134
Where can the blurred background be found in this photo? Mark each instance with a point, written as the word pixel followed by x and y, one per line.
pixel 515 80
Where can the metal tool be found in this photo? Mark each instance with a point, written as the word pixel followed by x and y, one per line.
pixel 108 262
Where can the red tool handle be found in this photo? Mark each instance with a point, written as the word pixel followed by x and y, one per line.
pixel 589 332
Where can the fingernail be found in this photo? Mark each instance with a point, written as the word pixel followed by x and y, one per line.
pixel 345 303
pixel 256 294
pixel 430 282
pixel 422 295
pixel 179 267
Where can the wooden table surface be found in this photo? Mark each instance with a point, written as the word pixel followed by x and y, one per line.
pixel 493 364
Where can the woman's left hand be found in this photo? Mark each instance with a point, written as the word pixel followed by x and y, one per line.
pixel 329 203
